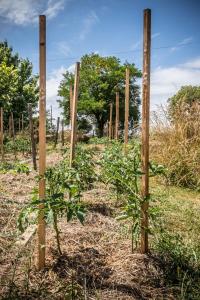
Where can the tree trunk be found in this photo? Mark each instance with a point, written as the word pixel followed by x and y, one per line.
pixel 100 126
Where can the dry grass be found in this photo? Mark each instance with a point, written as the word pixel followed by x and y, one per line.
pixel 175 144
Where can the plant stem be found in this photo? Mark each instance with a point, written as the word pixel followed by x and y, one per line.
pixel 55 225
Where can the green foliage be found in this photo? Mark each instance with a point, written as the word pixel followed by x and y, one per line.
pixel 18 86
pixel 84 125
pixel 21 144
pixel 180 262
pixel 62 199
pixel 122 169
pixel 83 171
pixel 184 98
pixel 97 140
pixel 16 167
pixel 100 78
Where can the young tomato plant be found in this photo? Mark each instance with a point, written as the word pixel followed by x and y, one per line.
pixel 123 171
pixel 83 171
pixel 62 199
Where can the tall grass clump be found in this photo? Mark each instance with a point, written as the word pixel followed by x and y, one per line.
pixel 175 141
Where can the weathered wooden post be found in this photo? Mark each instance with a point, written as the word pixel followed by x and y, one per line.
pixel 42 140
pixel 126 107
pixel 71 102
pixel 110 121
pixel 12 124
pixel 145 129
pixel 2 148
pixel 57 131
pixel 31 128
pixel 74 114
pixel 62 133
pixel 117 117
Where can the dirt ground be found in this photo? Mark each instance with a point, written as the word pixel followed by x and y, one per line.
pixel 97 262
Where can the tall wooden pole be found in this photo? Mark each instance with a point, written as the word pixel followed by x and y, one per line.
pixel 62 136
pixel 145 129
pixel 110 121
pixel 57 130
pixel 13 133
pixel 42 140
pixel 71 102
pixel 126 106
pixel 74 114
pixel 33 145
pixel 2 148
pixel 117 117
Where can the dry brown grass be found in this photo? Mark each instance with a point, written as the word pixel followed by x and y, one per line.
pixel 176 144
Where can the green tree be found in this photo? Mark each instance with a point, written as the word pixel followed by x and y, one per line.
pixel 100 78
pixel 18 86
pixel 185 98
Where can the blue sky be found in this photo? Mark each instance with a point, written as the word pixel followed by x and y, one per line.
pixel 108 27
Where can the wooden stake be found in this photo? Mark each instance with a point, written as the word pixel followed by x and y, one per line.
pixel 71 102
pixel 62 135
pixel 74 114
pixel 145 129
pixel 57 130
pixel 117 117
pixel 12 126
pixel 33 145
pixel 42 141
pixel 110 121
pixel 126 107
pixel 13 132
pixel 2 148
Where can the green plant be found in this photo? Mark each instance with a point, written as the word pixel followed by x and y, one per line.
pixel 62 199
pixel 83 170
pixel 123 171
pixel 21 144
pixel 14 167
pixel 180 262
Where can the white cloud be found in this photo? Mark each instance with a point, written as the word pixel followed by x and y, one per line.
pixel 64 48
pixel 71 68
pixel 88 23
pixel 165 82
pixel 194 64
pixel 138 44
pixel 155 35
pixel 53 8
pixel 52 85
pixel 22 12
pixel 184 42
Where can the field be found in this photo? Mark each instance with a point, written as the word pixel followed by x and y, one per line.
pixel 99 195
pixel 96 260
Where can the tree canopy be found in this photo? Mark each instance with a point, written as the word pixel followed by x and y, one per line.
pixel 18 86
pixel 184 98
pixel 100 79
